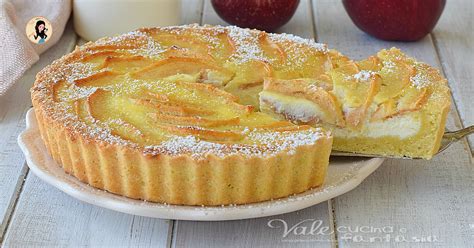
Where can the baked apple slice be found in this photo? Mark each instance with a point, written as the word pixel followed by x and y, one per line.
pixel 356 90
pixel 208 73
pixel 301 100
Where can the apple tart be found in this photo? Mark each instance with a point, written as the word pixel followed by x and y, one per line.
pixel 155 114
pixel 211 115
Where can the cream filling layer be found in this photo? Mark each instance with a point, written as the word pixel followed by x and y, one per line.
pixel 402 126
pixel 297 109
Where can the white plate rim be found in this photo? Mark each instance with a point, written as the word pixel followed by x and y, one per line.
pixel 122 204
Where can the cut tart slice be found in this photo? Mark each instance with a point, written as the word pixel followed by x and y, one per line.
pixel 388 104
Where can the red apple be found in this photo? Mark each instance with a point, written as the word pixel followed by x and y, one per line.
pixel 400 20
pixel 265 15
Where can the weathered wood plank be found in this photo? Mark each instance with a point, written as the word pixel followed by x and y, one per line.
pixel 414 198
pixel 453 37
pixel 81 41
pixel 47 217
pixel 257 232
pixel 260 232
pixel 192 11
pixel 13 107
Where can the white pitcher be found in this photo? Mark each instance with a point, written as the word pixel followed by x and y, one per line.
pixel 94 19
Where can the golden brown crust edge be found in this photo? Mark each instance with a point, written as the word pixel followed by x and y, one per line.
pixel 181 179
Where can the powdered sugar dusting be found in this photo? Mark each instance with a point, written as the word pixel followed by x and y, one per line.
pixel 144 44
pixel 121 39
pixel 420 81
pixel 313 88
pixel 71 72
pixel 152 49
pixel 295 47
pixel 363 75
pixel 288 140
pixel 259 144
pixel 246 44
pixel 298 41
pixel 388 65
pixel 74 93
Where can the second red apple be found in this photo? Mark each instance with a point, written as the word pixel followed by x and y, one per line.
pixel 400 20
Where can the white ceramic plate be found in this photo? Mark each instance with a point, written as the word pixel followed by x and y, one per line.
pixel 344 175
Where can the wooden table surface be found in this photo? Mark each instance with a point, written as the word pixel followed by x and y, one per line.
pixel 403 204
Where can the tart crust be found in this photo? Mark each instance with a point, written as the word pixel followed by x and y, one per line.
pixel 182 179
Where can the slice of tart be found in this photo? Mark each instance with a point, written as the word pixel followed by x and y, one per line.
pixel 388 104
